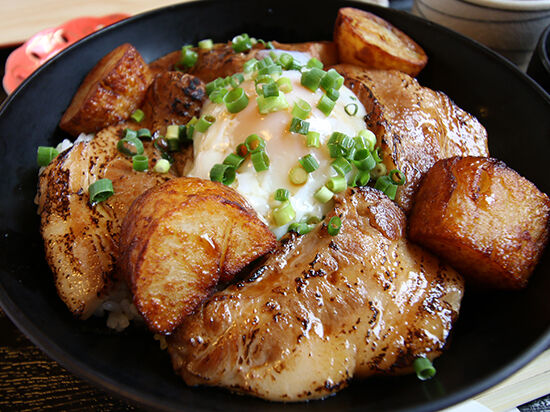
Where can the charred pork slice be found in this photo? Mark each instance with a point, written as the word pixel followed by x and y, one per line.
pixel 323 309
pixel 80 239
pixel 415 126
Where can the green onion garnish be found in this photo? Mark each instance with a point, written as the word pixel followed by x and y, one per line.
pixel 144 134
pixel 204 123
pixel 286 60
pixel 250 65
pixel 312 139
pixel 340 145
pixel 334 225
pixel 301 109
pixel 376 155
pixel 301 228
pixel 236 100
pixel 299 126
pixel 326 104
pixel 362 178
pixel 272 69
pixel 351 109
pixel 341 166
pixel 333 94
pixel 214 84
pixel 332 80
pixel 337 184
pixel 386 185
pixel 270 89
pixel 365 140
pixel 241 43
pixel 217 95
pixel 172 132
pixel 138 115
pixel 254 143
pixel 323 195
pixel 45 154
pixel 402 179
pixel 130 146
pixel 206 44
pixel 140 163
pixel 284 214
pixel 314 62
pixel 223 173
pixel 284 84
pixel 297 175
pixel 379 170
pixel 173 144
pixel 100 191
pixel 162 166
pixel 312 78
pixel 234 160
pixel 260 161
pixel 282 194
pixel 271 104
pixel 363 160
pixel 309 163
pixel 424 368
pixel 236 79
pixel 188 56
pixel 129 133
pixel 190 127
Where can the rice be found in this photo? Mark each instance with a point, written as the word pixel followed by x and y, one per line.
pixel 119 308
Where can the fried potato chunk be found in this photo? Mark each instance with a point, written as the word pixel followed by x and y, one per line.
pixel 110 92
pixel 180 240
pixel 324 51
pixel 489 222
pixel 370 41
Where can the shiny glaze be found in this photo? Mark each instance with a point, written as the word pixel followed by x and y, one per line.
pixel 81 240
pixel 322 309
pixel 415 125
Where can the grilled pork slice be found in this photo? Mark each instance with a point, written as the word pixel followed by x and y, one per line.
pixel 415 126
pixel 111 91
pixel 323 309
pixel 81 240
pixel 180 240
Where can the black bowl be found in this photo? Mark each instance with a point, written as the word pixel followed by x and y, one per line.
pixel 539 65
pixel 496 334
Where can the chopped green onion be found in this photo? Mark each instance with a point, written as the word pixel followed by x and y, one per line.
pixel 323 195
pixel 206 44
pixel 172 131
pixel 379 170
pixel 217 95
pixel 337 184
pixel 286 60
pixel 386 185
pixel 204 123
pixel 100 191
pixel 282 194
pixel 365 140
pixel 314 62
pixel 254 143
pixel 214 84
pixel 130 146
pixel 363 177
pixel 301 228
pixel 351 109
pixel 299 126
pixel 173 144
pixel 424 368
pixel 138 115
pixel 334 225
pixel 301 109
pixel 270 70
pixel 332 80
pixel 241 43
pixel 284 214
pixel 312 139
pixel 190 127
pixel 376 155
pixel 309 163
pixel 312 78
pixel 265 62
pixel 363 160
pixel 188 57
pixel 234 160
pixel 333 94
pixel 284 84
pixel 297 175
pixel 271 104
pixel 223 173
pixel 250 65
pixel 140 163
pixel 341 166
pixel 45 154
pixel 144 134
pixel 260 161
pixel 402 178
pixel 270 89
pixel 162 166
pixel 129 133
pixel 260 80
pixel 325 104
pixel 235 80
pixel 340 145
pixel 295 66
pixel 236 100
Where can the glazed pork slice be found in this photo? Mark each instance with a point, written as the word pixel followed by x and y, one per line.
pixel 322 309
pixel 81 240
pixel 415 126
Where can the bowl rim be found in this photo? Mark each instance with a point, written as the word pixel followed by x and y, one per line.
pixel 515 5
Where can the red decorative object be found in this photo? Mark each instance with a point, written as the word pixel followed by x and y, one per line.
pixel 42 46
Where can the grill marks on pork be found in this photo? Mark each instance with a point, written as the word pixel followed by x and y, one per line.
pixel 323 309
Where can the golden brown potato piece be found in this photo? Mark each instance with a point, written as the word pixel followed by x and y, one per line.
pixel 110 92
pixel 369 41
pixel 490 223
pixel 325 51
pixel 180 240
pixel 172 98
